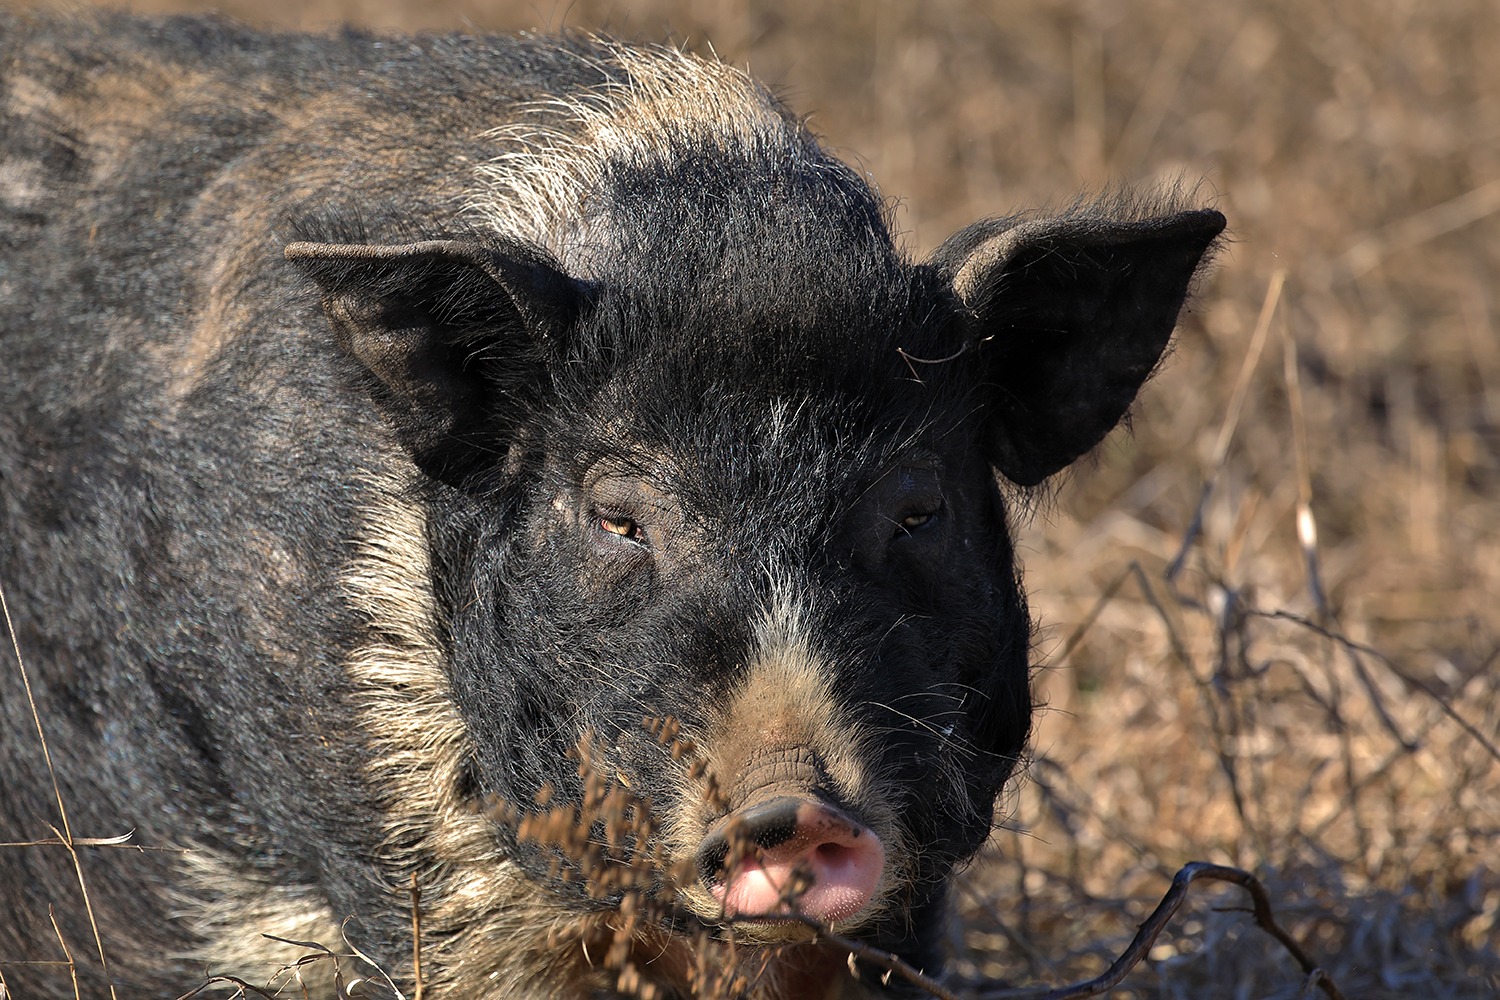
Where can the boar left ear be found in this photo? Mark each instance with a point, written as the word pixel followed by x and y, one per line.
pixel 450 336
pixel 1070 316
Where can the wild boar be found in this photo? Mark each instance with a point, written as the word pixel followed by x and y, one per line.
pixel 389 424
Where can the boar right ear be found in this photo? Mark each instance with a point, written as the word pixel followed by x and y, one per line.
pixel 450 336
pixel 1069 317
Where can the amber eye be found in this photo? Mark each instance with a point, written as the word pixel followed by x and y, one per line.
pixel 622 526
pixel 921 519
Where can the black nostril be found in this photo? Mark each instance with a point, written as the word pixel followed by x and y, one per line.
pixel 711 855
pixel 769 823
pixel 765 825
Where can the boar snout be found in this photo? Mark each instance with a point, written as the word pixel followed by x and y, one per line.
pixel 791 852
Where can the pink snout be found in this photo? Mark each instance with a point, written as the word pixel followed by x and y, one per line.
pixel 791 854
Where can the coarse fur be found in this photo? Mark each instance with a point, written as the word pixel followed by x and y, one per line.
pixel 389 427
pixel 650 104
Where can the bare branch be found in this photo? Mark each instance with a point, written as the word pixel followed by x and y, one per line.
pixel 1391 664
pixel 416 937
pixel 1152 927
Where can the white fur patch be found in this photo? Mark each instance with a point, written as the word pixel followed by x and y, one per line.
pixel 488 932
pixel 655 103
pixel 23 184
pixel 233 908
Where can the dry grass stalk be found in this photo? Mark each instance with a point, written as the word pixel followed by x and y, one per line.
pixel 67 952
pixel 64 837
pixel 1231 417
pixel 416 938
pixel 289 979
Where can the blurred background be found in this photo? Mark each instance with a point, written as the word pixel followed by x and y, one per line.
pixel 1270 616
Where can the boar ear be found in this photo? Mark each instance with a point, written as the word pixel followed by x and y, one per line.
pixel 1070 317
pixel 450 336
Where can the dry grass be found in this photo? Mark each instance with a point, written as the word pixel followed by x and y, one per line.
pixel 1327 722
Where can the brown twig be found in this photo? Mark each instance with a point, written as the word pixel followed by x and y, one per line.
pixel 1307 525
pixel 380 974
pixel 664 907
pixel 416 937
pixel 1421 227
pixel 66 834
pixel 1231 420
pixel 320 952
pixel 241 988
pixel 1406 677
pixel 1153 925
pixel 1076 636
pixel 1017 940
pixel 67 952
pixel 860 951
pixel 120 840
pixel 1179 648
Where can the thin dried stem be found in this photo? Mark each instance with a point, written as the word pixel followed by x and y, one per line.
pixel 1231 418
pixel 1076 636
pixel 859 951
pixel 120 840
pixel 1423 226
pixel 1153 925
pixel 1405 676
pixel 1307 526
pixel 241 988
pixel 65 836
pixel 416 937
pixel 67 952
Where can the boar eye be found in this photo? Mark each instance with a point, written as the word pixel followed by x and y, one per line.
pixel 918 520
pixel 622 526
